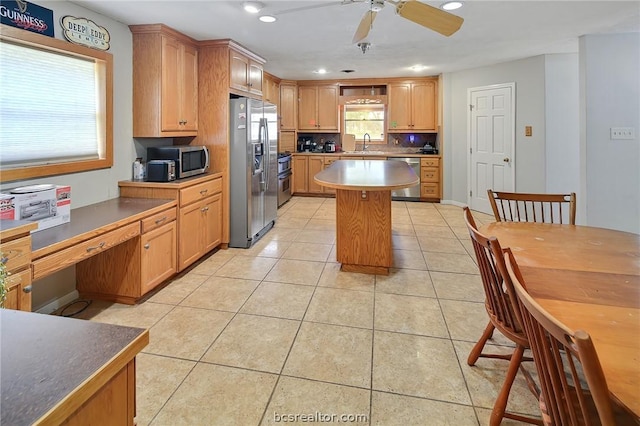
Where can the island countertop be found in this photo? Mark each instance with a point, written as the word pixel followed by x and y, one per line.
pixel 51 365
pixel 367 175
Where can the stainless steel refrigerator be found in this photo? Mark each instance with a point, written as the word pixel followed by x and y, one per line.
pixel 253 170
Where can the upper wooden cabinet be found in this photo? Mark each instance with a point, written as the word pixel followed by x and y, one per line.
pixel 165 82
pixel 318 108
pixel 270 89
pixel 245 73
pixel 288 105
pixel 412 106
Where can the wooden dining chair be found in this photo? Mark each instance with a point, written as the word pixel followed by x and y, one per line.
pixel 521 207
pixel 573 388
pixel 501 316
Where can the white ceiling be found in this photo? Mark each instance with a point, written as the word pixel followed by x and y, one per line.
pixel 320 37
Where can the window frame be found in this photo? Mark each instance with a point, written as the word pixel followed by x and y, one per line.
pixel 383 141
pixel 104 62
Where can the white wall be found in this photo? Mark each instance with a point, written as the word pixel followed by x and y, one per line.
pixel 610 97
pixel 99 185
pixel 528 75
pixel 562 124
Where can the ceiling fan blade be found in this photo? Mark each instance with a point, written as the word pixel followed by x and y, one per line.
pixel 431 17
pixel 365 26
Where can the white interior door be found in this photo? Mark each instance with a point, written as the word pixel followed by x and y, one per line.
pixel 491 143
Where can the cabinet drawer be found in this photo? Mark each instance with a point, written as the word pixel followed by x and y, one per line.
pixel 78 252
pixel 429 174
pixel 17 253
pixel 430 162
pixel 329 161
pixel 430 190
pixel 157 220
pixel 200 191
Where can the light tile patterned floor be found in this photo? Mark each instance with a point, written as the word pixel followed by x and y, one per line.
pixel 254 337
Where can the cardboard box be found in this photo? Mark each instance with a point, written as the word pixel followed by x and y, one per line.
pixel 48 208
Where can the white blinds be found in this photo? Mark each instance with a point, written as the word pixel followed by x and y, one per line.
pixel 50 109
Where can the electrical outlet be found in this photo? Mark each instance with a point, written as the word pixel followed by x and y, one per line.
pixel 623 133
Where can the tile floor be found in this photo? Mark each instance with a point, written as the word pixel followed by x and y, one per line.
pixel 258 336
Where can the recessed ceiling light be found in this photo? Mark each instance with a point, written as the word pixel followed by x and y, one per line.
pixel 252 6
pixel 451 5
pixel 321 71
pixel 267 18
pixel 418 68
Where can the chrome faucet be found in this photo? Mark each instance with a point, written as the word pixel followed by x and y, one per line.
pixel 364 141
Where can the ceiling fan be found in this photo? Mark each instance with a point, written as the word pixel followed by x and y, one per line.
pixel 430 17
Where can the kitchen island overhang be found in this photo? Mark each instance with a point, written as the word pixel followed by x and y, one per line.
pixel 363 210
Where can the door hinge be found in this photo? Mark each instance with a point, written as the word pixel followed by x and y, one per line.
pixel 470 107
pixel 470 150
pixel 470 193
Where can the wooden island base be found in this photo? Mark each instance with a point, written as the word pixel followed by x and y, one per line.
pixel 363 240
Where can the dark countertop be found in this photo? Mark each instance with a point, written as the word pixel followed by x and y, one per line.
pixel 45 358
pixel 105 216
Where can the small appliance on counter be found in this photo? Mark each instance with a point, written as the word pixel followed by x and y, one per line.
pixel 189 160
pixel 428 149
pixel 161 170
pixel 305 144
pixel 329 146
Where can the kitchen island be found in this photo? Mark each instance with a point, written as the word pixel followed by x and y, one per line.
pixel 58 370
pixel 363 210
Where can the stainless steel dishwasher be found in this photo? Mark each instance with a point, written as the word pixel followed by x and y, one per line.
pixel 413 192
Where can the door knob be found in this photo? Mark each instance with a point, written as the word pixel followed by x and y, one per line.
pixel 506 159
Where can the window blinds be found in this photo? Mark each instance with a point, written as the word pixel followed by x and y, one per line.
pixel 50 109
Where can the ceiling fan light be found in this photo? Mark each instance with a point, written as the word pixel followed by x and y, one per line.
pixel 267 18
pixel 451 5
pixel 252 6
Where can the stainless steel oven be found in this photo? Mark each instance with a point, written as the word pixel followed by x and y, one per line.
pixel 284 178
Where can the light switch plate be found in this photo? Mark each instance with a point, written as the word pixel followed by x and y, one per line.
pixel 623 133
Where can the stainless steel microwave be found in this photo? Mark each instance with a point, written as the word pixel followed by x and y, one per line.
pixel 190 160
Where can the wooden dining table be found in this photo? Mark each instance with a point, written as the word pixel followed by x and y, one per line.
pixel 589 279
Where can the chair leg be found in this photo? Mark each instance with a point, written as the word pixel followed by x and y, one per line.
pixel 500 406
pixel 477 349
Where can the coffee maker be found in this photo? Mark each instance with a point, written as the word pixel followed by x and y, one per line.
pixel 304 144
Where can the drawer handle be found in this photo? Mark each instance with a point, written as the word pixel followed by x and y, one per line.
pixel 159 221
pixel 27 289
pixel 147 246
pixel 204 209
pixel 99 246
pixel 204 191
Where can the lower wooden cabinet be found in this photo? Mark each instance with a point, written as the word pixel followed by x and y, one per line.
pixel 430 178
pixel 15 246
pixel 300 171
pixel 138 266
pixel 316 165
pixel 200 230
pixel 199 214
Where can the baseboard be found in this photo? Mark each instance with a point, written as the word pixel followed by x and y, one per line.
pixel 453 203
pixel 58 303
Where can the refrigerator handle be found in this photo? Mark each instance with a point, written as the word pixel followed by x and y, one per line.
pixel 265 150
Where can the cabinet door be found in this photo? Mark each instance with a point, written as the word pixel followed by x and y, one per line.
pixel 328 112
pixel 316 165
pixel 423 104
pixel 238 70
pixel 299 170
pixel 287 142
pixel 17 298
pixel 189 98
pixel 212 216
pixel 158 260
pixel 170 97
pixel 190 234
pixel 399 107
pixel 255 78
pixel 307 113
pixel 288 103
